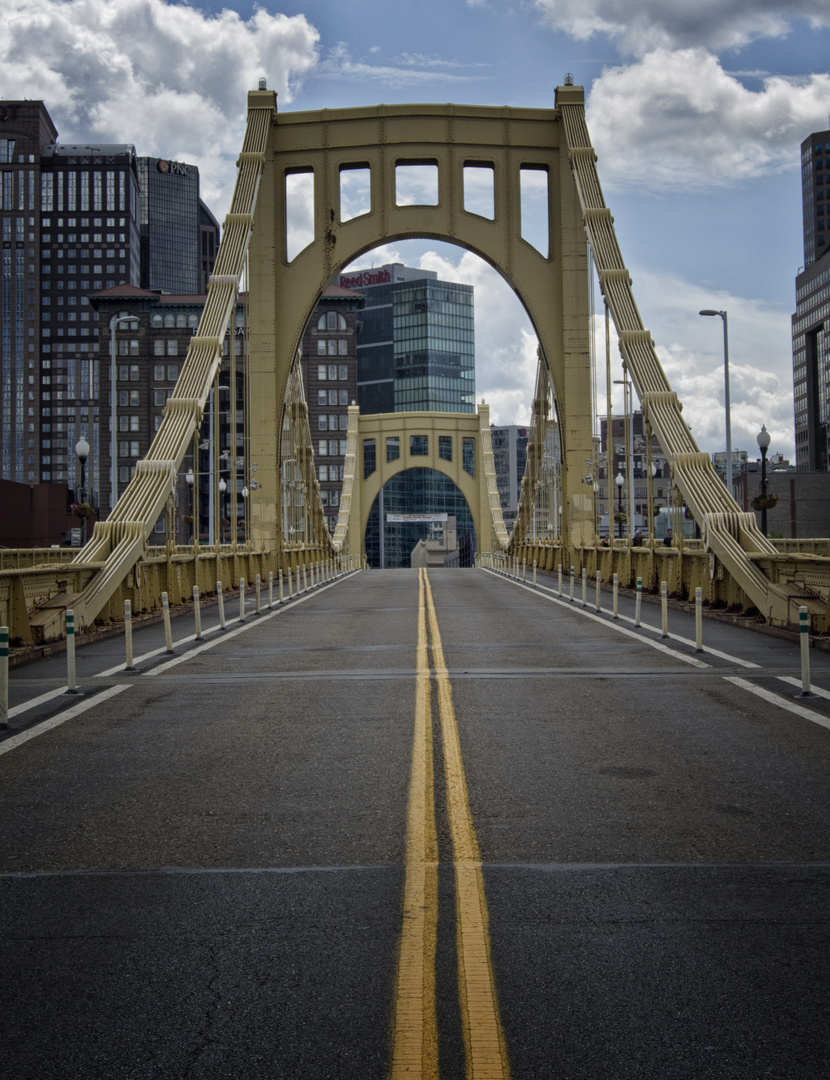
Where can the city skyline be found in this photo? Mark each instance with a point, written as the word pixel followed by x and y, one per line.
pixel 697 120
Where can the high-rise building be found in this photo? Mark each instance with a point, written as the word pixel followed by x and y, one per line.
pixel 72 226
pixel 330 377
pixel 178 232
pixel 416 347
pixel 509 456
pixel 811 321
pixel 150 351
pixel 415 352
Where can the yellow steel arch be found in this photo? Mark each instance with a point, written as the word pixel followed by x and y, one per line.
pixel 424 431
pixel 552 286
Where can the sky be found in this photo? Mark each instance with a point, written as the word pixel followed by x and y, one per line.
pixel 696 111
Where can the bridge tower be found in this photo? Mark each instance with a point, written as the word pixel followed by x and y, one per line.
pixel 327 145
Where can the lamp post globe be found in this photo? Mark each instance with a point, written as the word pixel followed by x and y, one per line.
pixel 82 453
pixel 619 480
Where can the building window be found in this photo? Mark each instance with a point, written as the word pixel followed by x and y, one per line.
pixel 322 397
pixel 158 348
pixel 172 347
pixel 445 447
pixel 322 369
pixel 393 448
pixel 418 445
pixel 172 372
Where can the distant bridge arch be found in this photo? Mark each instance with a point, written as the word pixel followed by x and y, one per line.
pixel 397 442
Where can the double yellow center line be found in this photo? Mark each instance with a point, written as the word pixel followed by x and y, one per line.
pixel 415 1029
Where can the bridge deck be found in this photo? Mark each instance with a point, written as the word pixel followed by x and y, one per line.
pixel 205 873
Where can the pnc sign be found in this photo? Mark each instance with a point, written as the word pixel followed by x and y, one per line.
pixel 177 168
pixel 364 278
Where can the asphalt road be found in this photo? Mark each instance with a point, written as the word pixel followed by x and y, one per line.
pixel 206 874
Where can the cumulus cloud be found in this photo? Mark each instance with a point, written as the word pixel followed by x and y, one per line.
pixel 638 26
pixel 690 348
pixel 167 77
pixel 678 117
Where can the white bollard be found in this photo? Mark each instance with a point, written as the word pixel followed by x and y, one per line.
pixel 128 636
pixel 698 620
pixel 4 677
pixel 290 585
pixel 573 574
pixel 197 612
pixel 524 569
pixel 270 589
pixel 664 607
pixel 616 595
pixel 71 681
pixel 804 635
pixel 242 599
pixel 599 591
pixel 168 633
pixel 584 587
pixel 258 591
pixel 559 574
pixel 305 580
pixel 534 573
pixel 638 603
pixel 279 579
pixel 220 599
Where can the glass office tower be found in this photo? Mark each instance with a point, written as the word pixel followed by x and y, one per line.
pixel 174 227
pixel 415 353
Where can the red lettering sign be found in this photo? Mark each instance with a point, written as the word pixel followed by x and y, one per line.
pixel 364 279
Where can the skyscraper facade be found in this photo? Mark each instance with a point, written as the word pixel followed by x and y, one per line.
pixel 175 226
pixel 415 352
pixel 330 378
pixel 416 348
pixel 811 321
pixel 72 226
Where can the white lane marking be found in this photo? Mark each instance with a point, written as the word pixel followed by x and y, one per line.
pixel 235 633
pixel 55 721
pixel 793 681
pixel 782 703
pixel 16 710
pixel 688 641
pixel 119 668
pixel 657 630
pixel 61 718
pixel 659 646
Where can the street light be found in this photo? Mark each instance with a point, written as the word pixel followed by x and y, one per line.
pixel 709 311
pixel 114 321
pixel 223 487
pixel 82 453
pixel 763 444
pixel 619 480
pixel 188 479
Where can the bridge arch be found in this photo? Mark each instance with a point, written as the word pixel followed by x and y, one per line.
pixel 456 445
pixel 552 286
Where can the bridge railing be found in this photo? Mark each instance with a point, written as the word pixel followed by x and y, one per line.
pixel 688 567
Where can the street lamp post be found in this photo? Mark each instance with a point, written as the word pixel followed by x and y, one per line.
pixel 82 453
pixel 188 478
pixel 763 445
pixel 619 480
pixel 114 321
pixel 223 487
pixel 727 406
